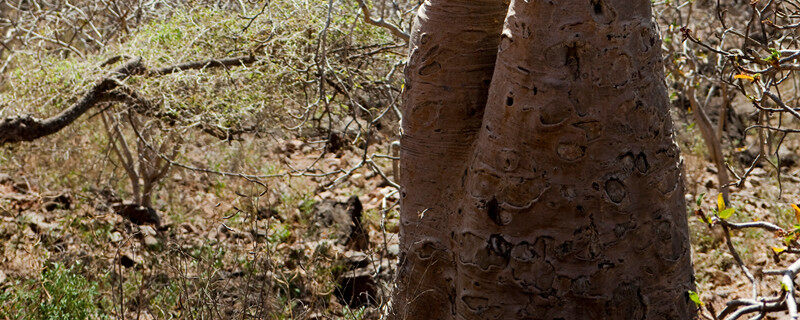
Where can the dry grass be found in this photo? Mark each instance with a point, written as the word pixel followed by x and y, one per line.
pixel 231 248
pixel 220 253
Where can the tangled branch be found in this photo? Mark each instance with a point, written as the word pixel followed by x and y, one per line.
pixel 28 128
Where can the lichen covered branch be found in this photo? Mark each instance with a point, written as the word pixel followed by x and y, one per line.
pixel 28 128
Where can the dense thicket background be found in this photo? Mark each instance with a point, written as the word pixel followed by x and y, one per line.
pixel 260 160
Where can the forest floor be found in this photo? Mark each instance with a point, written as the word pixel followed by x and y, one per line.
pixel 287 251
pixel 298 238
pixel 763 197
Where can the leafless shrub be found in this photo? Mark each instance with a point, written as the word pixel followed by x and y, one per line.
pixel 336 86
pixel 725 53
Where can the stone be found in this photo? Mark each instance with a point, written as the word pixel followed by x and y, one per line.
pixel 148 231
pixel 138 215
pixel 188 228
pixel 115 237
pixel 759 172
pixel 356 259
pixel 393 250
pixel 151 242
pixel 331 216
pixel 357 180
pixel 293 145
pixel 21 187
pixel 149 237
pixel 356 288
pixel 37 223
pixel 61 201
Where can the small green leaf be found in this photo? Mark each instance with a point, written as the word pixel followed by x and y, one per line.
pixel 700 198
pixel 774 55
pixel 727 213
pixel 696 298
pixel 673 96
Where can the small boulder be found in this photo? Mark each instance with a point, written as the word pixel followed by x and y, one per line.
pixel 356 259
pixel 61 201
pixel 138 215
pixel 37 223
pixel 115 236
pixel 151 242
pixel 21 187
pixel 393 250
pixel 356 288
pixel 342 222
pixel 149 236
pixel 148 231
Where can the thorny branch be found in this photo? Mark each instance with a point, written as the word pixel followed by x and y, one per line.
pixel 341 79
pixel 749 50
pixel 381 22
pixel 28 128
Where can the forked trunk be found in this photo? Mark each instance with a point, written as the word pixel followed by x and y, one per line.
pixel 564 198
pixel 454 48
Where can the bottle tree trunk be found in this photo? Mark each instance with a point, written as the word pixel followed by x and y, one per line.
pixel 541 179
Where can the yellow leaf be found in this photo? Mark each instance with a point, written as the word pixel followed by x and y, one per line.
pixel 727 213
pixel 744 76
pixel 696 298
pixel 720 202
pixel 778 250
pixel 796 212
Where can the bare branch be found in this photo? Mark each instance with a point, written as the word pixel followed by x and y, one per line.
pixel 395 30
pixel 28 128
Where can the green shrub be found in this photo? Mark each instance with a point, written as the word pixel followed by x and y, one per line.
pixel 60 293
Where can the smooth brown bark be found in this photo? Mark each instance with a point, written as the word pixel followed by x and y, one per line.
pixel 570 203
pixel 454 48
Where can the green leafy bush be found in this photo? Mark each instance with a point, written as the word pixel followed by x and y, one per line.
pixel 60 293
